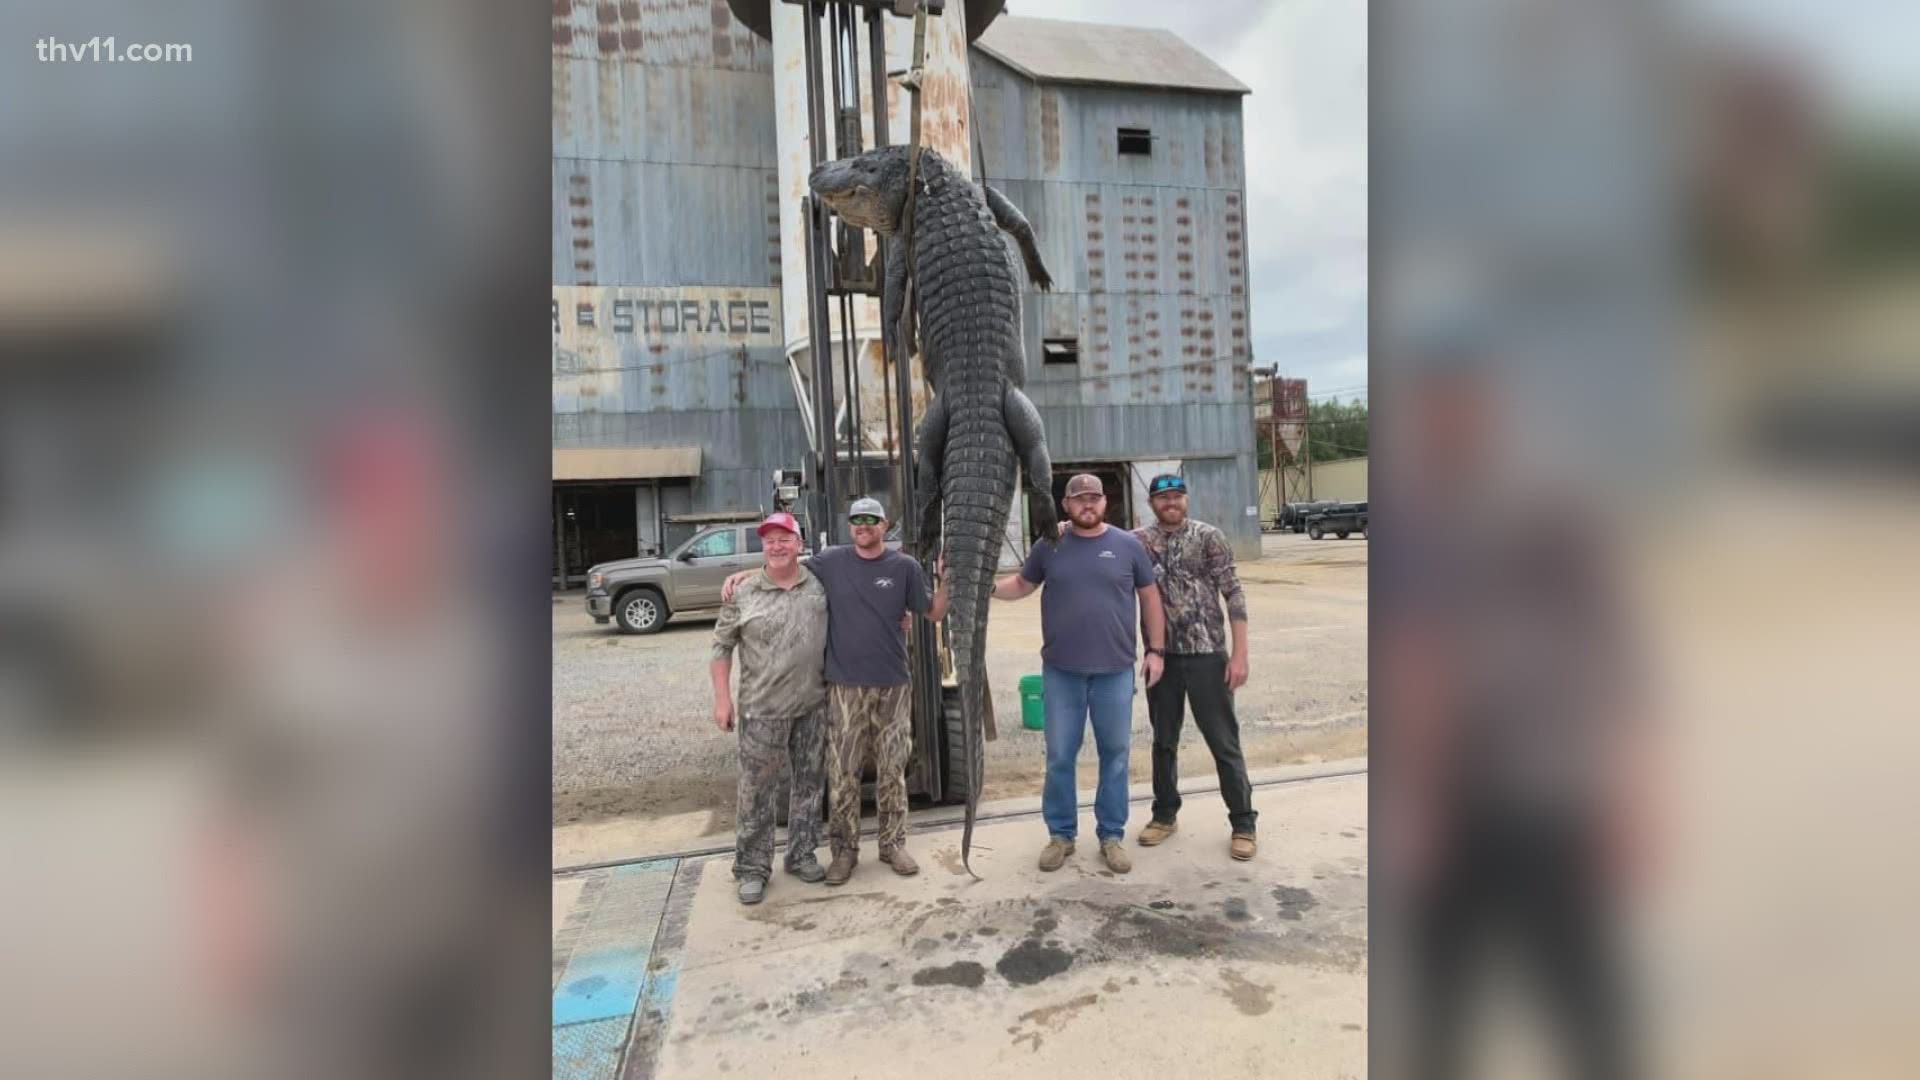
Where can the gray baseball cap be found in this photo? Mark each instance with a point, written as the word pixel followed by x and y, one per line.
pixel 868 505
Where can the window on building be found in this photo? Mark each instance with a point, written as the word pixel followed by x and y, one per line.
pixel 1060 350
pixel 1136 141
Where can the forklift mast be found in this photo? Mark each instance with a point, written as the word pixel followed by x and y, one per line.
pixel 840 468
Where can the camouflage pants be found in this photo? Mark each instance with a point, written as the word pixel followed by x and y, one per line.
pixel 876 718
pixel 768 746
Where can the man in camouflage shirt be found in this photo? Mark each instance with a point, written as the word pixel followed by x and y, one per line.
pixel 777 621
pixel 1194 567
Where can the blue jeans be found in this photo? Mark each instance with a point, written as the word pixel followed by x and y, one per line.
pixel 1070 699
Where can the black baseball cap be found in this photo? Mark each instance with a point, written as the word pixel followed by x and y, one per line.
pixel 1166 482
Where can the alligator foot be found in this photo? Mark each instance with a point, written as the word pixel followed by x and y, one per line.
pixel 1046 525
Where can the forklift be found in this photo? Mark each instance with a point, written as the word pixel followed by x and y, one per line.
pixel 838 469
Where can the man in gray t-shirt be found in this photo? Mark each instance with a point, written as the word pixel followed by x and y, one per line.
pixel 870 590
pixel 1094 576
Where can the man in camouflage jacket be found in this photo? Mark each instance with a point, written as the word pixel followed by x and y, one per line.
pixel 777 622
pixel 1194 567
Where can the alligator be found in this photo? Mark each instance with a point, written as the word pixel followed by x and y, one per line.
pixel 979 422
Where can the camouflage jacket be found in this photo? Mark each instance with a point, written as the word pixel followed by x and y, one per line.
pixel 781 635
pixel 1194 566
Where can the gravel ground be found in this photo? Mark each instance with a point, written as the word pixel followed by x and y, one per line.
pixel 633 734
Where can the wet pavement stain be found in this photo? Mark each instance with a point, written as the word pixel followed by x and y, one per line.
pixel 1046 924
pixel 1293 902
pixel 1251 998
pixel 1235 909
pixel 1047 1015
pixel 986 931
pixel 964 973
pixel 1161 905
pixel 1031 962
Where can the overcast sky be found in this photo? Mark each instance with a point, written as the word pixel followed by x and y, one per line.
pixel 1306 143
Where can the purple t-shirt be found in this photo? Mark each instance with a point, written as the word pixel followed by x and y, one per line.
pixel 1089 605
pixel 865 599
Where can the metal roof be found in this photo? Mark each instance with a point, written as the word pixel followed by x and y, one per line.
pixel 1053 50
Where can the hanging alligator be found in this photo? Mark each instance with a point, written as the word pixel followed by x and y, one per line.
pixel 979 423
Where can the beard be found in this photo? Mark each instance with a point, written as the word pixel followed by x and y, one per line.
pixel 1086 519
pixel 1171 516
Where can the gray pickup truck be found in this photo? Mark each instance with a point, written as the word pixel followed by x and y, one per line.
pixel 640 595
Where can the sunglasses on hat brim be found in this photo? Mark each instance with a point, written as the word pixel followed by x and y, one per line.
pixel 864 519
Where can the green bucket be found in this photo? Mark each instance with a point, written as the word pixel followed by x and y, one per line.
pixel 1033 702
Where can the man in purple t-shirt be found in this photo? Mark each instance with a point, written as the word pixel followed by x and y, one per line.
pixel 1094 576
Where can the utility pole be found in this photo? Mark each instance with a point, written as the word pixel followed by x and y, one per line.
pixel 1306 449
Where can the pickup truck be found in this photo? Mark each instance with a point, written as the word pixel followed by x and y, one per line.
pixel 1340 519
pixel 640 595
pixel 1293 516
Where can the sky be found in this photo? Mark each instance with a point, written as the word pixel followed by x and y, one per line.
pixel 1305 128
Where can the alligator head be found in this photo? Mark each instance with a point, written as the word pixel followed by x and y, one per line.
pixel 867 191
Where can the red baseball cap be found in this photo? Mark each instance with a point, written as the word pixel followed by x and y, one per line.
pixel 780 520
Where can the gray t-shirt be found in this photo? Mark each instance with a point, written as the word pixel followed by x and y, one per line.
pixel 865 599
pixel 1089 604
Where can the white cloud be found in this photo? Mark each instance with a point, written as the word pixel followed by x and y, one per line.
pixel 1306 152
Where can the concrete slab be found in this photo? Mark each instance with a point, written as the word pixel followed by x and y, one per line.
pixel 1193 964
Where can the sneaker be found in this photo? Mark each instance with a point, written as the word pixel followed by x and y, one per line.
pixel 1117 858
pixel 806 868
pixel 752 890
pixel 1155 832
pixel 842 868
pixel 901 862
pixel 1055 853
pixel 1244 845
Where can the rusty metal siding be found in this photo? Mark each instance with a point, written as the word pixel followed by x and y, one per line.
pixel 665 189
pixel 613 110
pixel 665 168
pixel 689 33
pixel 624 223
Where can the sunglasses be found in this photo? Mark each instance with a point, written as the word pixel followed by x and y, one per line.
pixel 865 519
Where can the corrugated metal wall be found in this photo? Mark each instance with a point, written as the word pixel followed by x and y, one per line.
pixel 665 190
pixel 1149 261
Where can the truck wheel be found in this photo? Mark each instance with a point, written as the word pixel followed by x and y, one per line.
pixel 1313 530
pixel 640 611
pixel 952 730
pixel 1342 534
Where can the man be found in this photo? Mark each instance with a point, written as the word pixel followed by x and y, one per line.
pixel 777 620
pixel 870 590
pixel 1194 566
pixel 1094 576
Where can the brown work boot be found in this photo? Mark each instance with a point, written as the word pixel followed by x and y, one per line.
pixel 1244 846
pixel 1117 858
pixel 842 868
pixel 1156 831
pixel 901 862
pixel 1055 853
